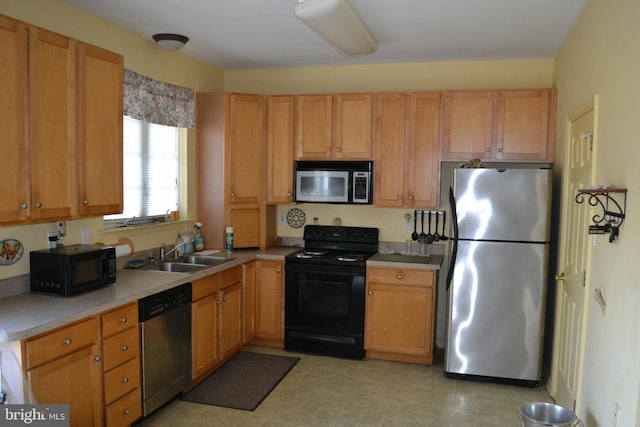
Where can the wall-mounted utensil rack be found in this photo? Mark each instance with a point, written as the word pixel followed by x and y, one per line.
pixel 611 213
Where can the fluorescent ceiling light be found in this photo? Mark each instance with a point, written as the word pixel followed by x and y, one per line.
pixel 337 24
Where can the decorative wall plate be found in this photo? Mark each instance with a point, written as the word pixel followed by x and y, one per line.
pixel 11 250
pixel 296 218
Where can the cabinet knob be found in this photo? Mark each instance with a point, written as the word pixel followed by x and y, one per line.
pixel 126 411
pixel 23 206
pixel 561 277
pixel 125 380
pixel 411 197
pixel 278 270
pixel 67 341
pixel 123 319
pixel 499 149
pixel 370 292
pixel 399 197
pixel 124 347
pixel 328 148
pixel 224 299
pixel 233 194
pixel 85 202
pixel 37 204
pixel 218 302
pixel 97 358
pixel 488 149
pixel 338 149
pixel 399 277
pixel 289 194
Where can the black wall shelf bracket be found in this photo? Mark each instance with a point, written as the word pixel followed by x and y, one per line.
pixel 612 203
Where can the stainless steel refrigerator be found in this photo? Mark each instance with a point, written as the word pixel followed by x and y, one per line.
pixel 496 284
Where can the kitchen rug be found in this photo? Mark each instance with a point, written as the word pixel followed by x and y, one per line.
pixel 243 382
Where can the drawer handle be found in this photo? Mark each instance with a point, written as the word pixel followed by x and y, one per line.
pixel 67 341
pixel 124 347
pixel 399 277
pixel 125 380
pixel 126 412
pixel 123 319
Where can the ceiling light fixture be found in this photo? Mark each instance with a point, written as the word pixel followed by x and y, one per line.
pixel 337 24
pixel 170 41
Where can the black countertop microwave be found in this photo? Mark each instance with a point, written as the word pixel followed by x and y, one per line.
pixel 347 182
pixel 71 270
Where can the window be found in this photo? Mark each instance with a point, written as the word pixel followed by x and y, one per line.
pixel 151 163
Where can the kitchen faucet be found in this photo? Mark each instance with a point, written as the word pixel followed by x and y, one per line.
pixel 164 253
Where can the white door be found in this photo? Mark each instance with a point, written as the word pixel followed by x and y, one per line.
pixel 573 261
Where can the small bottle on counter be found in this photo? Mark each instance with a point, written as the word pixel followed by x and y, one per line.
pixel 229 241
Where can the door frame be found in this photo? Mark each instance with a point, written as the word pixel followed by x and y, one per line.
pixel 566 198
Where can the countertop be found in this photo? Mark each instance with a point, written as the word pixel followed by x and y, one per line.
pixel 28 314
pixel 431 262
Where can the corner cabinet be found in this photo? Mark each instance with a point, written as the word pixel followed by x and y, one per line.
pixel 406 149
pixel 334 127
pixel 399 322
pixel 55 100
pixel 505 125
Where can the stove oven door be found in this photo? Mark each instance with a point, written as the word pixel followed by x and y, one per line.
pixel 324 309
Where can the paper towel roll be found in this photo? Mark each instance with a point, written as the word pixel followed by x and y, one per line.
pixel 123 250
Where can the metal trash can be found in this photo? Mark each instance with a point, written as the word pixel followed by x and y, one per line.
pixel 542 414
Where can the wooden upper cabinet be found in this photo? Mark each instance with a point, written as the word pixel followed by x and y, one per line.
pixel 100 124
pixel 406 154
pixel 244 148
pixel 508 125
pixel 14 181
pixel 52 124
pixel 352 126
pixel 334 127
pixel 314 126
pixel 467 125
pixel 525 124
pixel 280 143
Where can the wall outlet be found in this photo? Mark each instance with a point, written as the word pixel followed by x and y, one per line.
pixel 52 239
pixel 282 218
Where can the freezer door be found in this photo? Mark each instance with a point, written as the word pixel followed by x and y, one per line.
pixel 495 310
pixel 503 204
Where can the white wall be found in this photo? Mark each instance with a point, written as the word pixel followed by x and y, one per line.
pixel 602 56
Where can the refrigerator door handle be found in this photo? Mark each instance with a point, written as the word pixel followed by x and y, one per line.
pixel 454 237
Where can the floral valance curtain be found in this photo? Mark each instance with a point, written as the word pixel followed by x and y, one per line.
pixel 158 102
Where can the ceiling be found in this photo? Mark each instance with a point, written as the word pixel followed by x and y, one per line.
pixel 250 34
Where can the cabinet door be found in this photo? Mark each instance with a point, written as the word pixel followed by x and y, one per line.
pixel 53 124
pixel 467 125
pixel 100 136
pixel 74 379
pixel 244 148
pixel 352 126
pixel 422 161
pixel 389 149
pixel 230 315
pixel 313 126
pixel 280 142
pixel 249 295
pixel 14 180
pixel 269 301
pixel 522 125
pixel 399 319
pixel 204 335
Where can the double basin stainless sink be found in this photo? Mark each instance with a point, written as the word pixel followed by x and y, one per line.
pixel 188 264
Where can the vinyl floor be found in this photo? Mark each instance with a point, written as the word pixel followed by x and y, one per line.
pixel 323 391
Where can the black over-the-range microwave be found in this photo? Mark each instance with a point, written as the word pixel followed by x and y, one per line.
pixel 349 182
pixel 72 270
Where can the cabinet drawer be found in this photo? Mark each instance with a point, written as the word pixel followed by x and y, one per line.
pixel 401 276
pixel 231 276
pixel 120 348
pixel 121 380
pixel 119 319
pixel 125 410
pixel 60 342
pixel 204 287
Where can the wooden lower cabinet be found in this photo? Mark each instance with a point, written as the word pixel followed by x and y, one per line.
pixel 400 314
pixel 269 303
pixel 93 365
pixel 230 314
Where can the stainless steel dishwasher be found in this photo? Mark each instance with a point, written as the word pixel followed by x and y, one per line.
pixel 166 345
